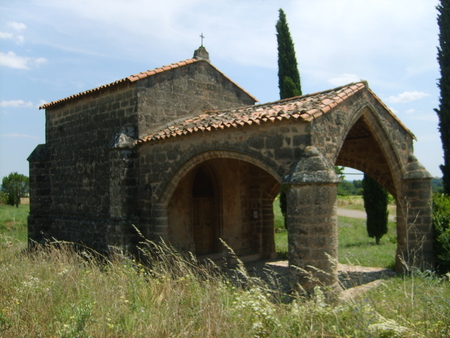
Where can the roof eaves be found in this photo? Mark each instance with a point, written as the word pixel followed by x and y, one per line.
pixel 131 78
pixel 87 92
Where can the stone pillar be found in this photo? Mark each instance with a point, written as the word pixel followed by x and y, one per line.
pixel 414 222
pixel 123 196
pixel 160 223
pixel 312 221
pixel 39 223
pixel 268 243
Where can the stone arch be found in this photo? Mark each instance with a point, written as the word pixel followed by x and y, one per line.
pixel 243 206
pixel 173 180
pixel 367 146
pixel 370 145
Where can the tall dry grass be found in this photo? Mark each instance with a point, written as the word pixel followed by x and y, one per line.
pixel 56 291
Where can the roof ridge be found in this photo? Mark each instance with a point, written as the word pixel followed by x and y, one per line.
pixel 161 69
pixel 131 78
pixel 294 98
pixel 299 107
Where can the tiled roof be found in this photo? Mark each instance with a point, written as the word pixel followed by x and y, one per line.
pixel 306 108
pixel 136 77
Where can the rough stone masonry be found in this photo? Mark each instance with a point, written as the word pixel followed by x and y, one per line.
pixel 184 154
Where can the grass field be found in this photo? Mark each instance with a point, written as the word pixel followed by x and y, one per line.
pixel 355 247
pixel 55 292
pixel 13 228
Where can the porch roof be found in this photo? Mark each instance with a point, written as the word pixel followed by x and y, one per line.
pixel 306 108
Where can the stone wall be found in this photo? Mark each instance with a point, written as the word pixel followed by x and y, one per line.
pixel 183 92
pixel 85 179
pixel 77 165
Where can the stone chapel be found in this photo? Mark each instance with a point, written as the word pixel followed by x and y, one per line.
pixel 184 154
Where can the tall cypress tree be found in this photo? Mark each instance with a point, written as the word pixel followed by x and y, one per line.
pixel 375 202
pixel 444 86
pixel 288 75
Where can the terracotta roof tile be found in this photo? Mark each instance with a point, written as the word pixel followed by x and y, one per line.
pixel 307 108
pixel 134 78
pixel 131 78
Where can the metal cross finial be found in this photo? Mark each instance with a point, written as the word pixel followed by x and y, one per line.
pixel 202 36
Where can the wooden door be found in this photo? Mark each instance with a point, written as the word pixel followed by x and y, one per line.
pixel 204 225
pixel 204 230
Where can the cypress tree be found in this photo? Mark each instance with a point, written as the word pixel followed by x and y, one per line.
pixel 288 75
pixel 444 86
pixel 375 202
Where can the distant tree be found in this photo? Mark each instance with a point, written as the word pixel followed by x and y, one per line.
pixel 15 186
pixel 358 186
pixel 288 76
pixel 444 85
pixel 436 185
pixel 345 188
pixel 376 200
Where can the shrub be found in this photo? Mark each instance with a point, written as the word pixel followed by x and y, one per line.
pixel 441 223
pixel 3 197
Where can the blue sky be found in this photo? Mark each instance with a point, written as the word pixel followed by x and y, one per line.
pixel 53 49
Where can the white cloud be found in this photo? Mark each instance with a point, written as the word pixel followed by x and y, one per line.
pixel 410 111
pixel 9 36
pixel 20 39
pixel 407 97
pixel 11 60
pixel 18 26
pixel 13 135
pixel 344 79
pixel 16 104
pixel 5 36
pixel 40 61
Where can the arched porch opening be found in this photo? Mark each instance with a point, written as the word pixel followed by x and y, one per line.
pixel 223 198
pixel 369 148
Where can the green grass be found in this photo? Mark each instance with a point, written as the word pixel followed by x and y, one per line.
pixel 13 228
pixel 355 246
pixel 55 292
pixel 278 216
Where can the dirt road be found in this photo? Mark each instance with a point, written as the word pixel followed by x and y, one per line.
pixel 351 213
pixel 358 214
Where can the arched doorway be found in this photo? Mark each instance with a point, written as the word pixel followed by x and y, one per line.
pixel 223 198
pixel 204 213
